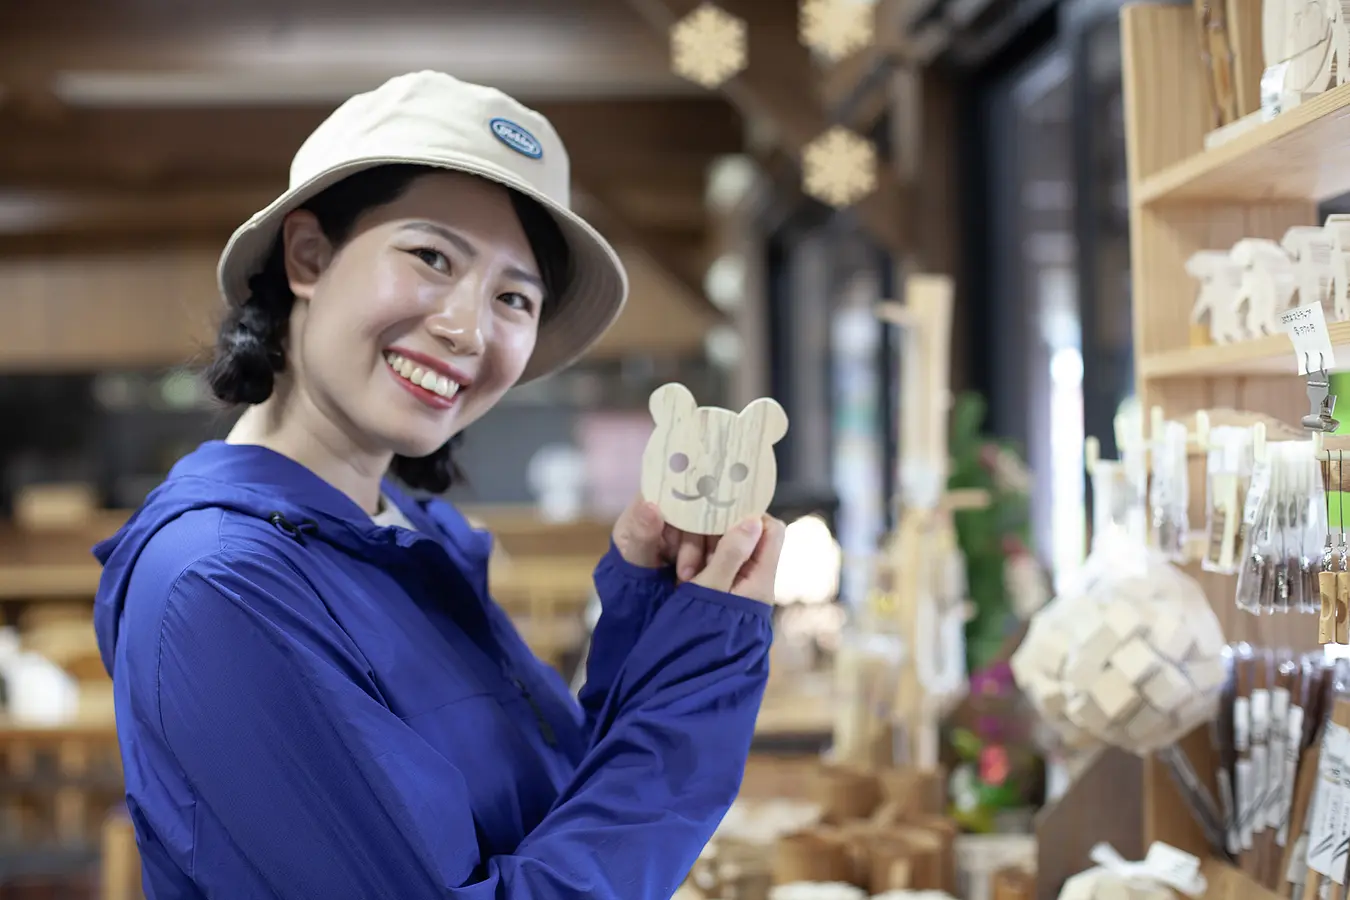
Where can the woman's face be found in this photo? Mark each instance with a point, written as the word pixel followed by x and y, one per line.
pixel 418 324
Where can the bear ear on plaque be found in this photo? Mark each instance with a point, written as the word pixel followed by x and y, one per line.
pixel 768 411
pixel 671 401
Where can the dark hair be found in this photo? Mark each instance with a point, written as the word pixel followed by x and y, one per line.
pixel 251 344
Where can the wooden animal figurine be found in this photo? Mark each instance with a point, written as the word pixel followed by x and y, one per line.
pixel 709 468
pixel 1310 248
pixel 1267 286
pixel 1220 279
pixel 1302 44
pixel 1337 228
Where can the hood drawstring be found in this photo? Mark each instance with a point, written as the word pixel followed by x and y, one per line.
pixel 291 529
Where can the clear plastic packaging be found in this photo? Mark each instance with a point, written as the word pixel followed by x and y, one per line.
pixel 1229 471
pixel 1285 525
pixel 1130 653
pixel 1169 492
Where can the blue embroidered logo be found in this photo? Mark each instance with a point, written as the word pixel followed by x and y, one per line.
pixel 517 138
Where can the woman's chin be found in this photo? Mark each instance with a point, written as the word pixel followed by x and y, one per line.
pixel 415 444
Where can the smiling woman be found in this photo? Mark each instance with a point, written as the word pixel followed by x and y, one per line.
pixel 252 345
pixel 316 695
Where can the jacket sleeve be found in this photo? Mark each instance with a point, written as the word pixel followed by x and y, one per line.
pixel 276 723
pixel 629 597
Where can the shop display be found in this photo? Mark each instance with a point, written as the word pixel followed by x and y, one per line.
pixel 1163 871
pixel 921 562
pixel 1268 285
pixel 817 890
pixel 1272 709
pixel 1281 546
pixel 709 468
pixel 998 774
pixel 1230 510
pixel 1128 654
pixel 1242 291
pixel 1220 280
pixel 870 829
pixel 1338 232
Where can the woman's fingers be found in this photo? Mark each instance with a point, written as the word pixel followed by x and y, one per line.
pixel 690 557
pixel 734 550
pixel 638 534
pixel 760 573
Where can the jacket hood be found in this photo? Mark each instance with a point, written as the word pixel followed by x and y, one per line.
pixel 256 481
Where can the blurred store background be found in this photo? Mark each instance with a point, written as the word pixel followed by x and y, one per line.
pixel 135 135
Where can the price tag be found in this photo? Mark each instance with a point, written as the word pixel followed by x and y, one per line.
pixel 1307 328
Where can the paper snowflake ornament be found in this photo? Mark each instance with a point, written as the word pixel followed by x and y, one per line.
pixel 839 167
pixel 836 28
pixel 708 46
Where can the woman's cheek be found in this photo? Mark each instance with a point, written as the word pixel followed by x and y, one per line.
pixel 516 342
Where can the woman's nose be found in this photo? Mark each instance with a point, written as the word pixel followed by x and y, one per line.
pixel 460 324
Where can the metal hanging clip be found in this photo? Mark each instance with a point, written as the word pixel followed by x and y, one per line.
pixel 1321 402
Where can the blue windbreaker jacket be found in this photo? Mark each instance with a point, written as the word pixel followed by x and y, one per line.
pixel 310 705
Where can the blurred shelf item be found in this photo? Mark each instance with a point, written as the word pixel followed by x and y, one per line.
pixel 1299 155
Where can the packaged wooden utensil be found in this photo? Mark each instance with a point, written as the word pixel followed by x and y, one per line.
pixel 1329 832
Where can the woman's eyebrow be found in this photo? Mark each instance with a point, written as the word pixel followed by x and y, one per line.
pixel 471 251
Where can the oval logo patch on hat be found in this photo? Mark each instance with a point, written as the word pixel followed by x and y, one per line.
pixel 517 138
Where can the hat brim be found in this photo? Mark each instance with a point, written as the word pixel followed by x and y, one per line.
pixel 595 293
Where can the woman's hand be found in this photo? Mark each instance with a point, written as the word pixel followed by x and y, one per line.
pixel 743 561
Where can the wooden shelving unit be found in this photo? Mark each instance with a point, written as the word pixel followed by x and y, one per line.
pixel 1183 199
pixel 1270 355
pixel 1298 155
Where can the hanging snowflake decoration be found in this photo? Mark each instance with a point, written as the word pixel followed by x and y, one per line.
pixel 839 167
pixel 708 46
pixel 836 28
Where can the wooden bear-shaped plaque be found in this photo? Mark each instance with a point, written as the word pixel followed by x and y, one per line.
pixel 709 468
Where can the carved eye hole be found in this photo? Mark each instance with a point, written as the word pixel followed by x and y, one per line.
pixel 679 462
pixel 738 472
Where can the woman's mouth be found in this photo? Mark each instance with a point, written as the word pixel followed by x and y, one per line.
pixel 429 386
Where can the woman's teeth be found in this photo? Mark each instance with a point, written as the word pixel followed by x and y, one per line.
pixel 423 378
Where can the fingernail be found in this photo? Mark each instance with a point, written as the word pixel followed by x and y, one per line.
pixel 687 573
pixel 749 526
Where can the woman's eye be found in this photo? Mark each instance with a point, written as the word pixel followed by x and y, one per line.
pixel 518 301
pixel 434 258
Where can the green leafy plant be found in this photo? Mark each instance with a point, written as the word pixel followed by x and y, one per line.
pixel 988 537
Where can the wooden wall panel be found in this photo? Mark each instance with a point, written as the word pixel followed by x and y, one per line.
pixel 159 308
pixel 69 312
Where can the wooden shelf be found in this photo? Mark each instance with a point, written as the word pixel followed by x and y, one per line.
pixel 1270 355
pixel 1300 155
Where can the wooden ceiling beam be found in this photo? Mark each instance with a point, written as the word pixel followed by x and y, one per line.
pixel 281 57
pixel 168 146
pixel 781 85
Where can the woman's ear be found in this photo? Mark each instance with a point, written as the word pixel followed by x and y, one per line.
pixel 307 252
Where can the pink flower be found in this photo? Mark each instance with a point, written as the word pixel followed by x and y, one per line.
pixel 994 765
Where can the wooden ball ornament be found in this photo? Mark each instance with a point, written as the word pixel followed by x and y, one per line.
pixel 708 468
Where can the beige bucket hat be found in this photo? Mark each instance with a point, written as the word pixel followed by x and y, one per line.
pixel 433 119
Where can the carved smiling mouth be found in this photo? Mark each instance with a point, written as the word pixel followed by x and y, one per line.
pixel 712 501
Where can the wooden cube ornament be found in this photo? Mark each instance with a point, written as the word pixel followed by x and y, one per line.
pixel 708 468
